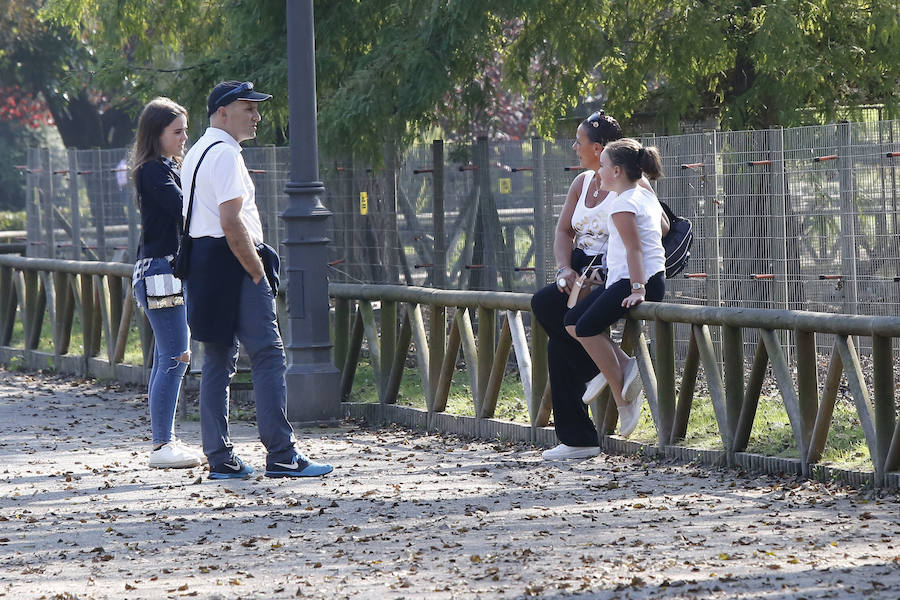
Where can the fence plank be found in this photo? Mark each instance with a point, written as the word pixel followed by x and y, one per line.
pixel 826 407
pixel 103 294
pixel 487 328
pixel 388 344
pixel 8 304
pixel 733 371
pixel 520 346
pixel 423 354
pixel 124 329
pixel 65 313
pixel 341 330
pixel 371 330
pixel 857 384
pixel 498 370
pixel 540 378
pixel 470 353
pixel 437 329
pixel 714 382
pixel 88 320
pixel 882 361
pixel 448 365
pixel 751 397
pixel 665 379
pixel 807 379
pixel 35 305
pixel 686 393
pixel 647 372
pixel 351 360
pixel 785 383
pixel 401 350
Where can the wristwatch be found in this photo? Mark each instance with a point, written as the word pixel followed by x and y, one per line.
pixel 637 286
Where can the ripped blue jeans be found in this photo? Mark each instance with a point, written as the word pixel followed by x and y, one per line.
pixel 170 333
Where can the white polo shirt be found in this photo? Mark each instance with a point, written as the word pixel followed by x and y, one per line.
pixel 223 176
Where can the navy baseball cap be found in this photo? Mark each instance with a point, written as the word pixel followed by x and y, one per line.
pixel 228 91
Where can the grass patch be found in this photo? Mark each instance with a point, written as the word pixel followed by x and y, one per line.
pixel 772 434
pixel 510 403
pixel 133 352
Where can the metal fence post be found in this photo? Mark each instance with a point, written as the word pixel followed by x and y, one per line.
pixel 47 208
pixel 779 216
pixel 439 276
pixel 73 198
pixel 711 215
pixel 848 217
pixel 541 226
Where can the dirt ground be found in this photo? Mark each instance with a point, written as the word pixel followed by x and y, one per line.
pixel 405 515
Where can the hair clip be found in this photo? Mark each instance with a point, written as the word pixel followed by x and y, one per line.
pixel 596 123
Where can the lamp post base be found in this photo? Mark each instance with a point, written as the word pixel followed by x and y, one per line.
pixel 309 401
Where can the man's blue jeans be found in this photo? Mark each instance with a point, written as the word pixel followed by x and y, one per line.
pixel 257 330
pixel 170 334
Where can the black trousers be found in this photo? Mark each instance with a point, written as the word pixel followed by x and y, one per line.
pixel 570 370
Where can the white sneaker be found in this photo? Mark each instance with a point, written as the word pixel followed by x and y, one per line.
pixel 191 450
pixel 594 387
pixel 564 452
pixel 173 456
pixel 630 414
pixel 632 383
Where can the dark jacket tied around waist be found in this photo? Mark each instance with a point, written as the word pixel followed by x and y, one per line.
pixel 214 288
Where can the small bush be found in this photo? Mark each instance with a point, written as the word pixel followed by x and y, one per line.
pixel 12 220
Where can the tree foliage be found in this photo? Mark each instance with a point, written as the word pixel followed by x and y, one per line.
pixel 755 64
pixel 52 66
pixel 388 70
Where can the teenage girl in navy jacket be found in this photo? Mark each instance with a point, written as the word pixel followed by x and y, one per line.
pixel 158 149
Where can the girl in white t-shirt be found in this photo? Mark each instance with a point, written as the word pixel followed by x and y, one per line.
pixel 636 271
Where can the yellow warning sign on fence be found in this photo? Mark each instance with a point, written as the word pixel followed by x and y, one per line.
pixel 505 184
pixel 363 203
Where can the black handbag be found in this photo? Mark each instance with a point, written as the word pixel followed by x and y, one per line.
pixel 181 262
pixel 677 242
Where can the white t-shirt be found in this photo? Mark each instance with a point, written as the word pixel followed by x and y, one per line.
pixel 223 176
pixel 590 224
pixel 648 214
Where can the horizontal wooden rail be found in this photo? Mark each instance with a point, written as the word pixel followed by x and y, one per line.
pixel 78 267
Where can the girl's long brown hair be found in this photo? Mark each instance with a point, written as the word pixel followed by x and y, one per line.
pixel 156 116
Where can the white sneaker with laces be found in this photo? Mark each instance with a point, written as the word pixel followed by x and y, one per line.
pixel 564 452
pixel 173 456
pixel 632 383
pixel 594 387
pixel 629 415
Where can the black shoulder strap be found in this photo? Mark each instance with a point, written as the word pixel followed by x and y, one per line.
pixel 669 212
pixel 187 218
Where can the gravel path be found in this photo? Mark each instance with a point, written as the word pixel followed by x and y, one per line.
pixel 405 515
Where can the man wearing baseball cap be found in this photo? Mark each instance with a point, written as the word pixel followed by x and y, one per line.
pixel 231 288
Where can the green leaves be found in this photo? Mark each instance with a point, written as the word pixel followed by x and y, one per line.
pixel 391 70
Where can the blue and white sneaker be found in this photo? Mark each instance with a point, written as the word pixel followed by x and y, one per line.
pixel 233 468
pixel 300 466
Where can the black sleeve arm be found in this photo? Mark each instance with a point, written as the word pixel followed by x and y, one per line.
pixel 161 188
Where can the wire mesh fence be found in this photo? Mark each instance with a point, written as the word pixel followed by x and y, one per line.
pixel 801 218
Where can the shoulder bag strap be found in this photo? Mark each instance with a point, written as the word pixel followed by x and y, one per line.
pixel 187 218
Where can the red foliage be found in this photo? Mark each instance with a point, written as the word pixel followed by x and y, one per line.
pixel 23 108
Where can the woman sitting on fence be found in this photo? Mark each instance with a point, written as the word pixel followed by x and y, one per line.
pixel 581 236
pixel 158 149
pixel 636 271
